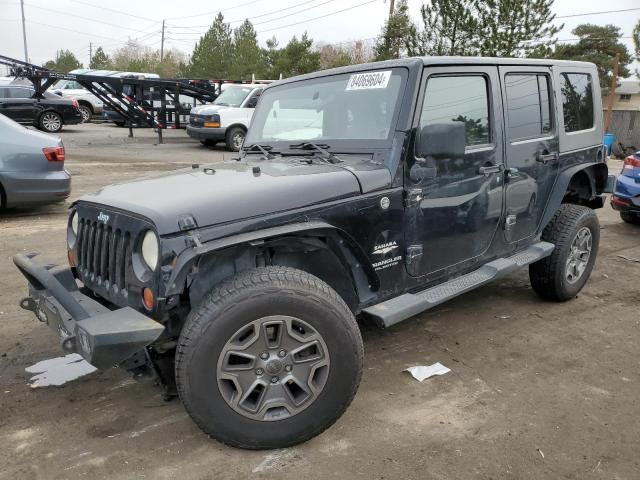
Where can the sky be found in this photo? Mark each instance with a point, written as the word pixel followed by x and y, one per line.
pixel 74 24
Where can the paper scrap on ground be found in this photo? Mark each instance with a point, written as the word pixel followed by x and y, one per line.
pixel 422 372
pixel 58 371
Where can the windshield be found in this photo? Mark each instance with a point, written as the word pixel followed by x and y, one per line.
pixel 233 96
pixel 351 106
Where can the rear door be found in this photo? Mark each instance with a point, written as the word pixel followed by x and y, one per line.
pixel 20 105
pixel 532 147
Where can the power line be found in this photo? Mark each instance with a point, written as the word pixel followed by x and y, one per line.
pixel 216 11
pixel 114 11
pixel 598 13
pixel 82 17
pixel 319 17
pixel 252 17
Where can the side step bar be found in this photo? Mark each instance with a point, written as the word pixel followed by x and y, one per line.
pixel 400 308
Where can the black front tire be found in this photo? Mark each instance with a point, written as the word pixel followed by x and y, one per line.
pixel 245 298
pixel 630 217
pixel 549 277
pixel 234 138
pixel 86 112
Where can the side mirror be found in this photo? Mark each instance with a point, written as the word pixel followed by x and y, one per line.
pixel 58 92
pixel 252 103
pixel 442 140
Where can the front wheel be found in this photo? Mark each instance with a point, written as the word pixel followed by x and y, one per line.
pixel 235 138
pixel 271 358
pixel 575 232
pixel 629 217
pixel 50 122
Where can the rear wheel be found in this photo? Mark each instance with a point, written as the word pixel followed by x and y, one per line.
pixel 575 232
pixel 630 217
pixel 86 112
pixel 271 358
pixel 235 138
pixel 50 122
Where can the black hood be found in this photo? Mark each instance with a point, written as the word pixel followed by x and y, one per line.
pixel 229 191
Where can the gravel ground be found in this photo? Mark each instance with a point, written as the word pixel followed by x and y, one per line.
pixel 537 390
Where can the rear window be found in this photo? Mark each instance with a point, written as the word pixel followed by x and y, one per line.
pixel 577 101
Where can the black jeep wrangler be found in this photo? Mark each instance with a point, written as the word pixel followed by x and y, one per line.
pixel 376 190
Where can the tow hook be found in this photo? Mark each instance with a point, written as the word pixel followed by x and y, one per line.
pixel 28 303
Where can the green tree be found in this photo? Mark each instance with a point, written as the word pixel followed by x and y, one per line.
pixel 399 35
pixel 512 28
pixel 332 56
pixel 212 56
pixel 296 58
pixel 597 44
pixel 636 42
pixel 449 27
pixel 248 56
pixel 65 62
pixel 100 60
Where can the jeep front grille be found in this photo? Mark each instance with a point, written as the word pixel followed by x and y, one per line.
pixel 103 253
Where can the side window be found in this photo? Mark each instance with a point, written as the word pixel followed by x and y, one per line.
pixel 20 92
pixel 4 92
pixel 464 99
pixel 577 101
pixel 528 105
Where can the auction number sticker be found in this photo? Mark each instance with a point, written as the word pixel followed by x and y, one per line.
pixel 369 80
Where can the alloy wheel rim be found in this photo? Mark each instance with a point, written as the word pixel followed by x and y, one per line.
pixel 238 138
pixel 86 115
pixel 579 255
pixel 273 368
pixel 51 122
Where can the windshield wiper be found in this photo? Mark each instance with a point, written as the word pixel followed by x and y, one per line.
pixel 321 148
pixel 264 149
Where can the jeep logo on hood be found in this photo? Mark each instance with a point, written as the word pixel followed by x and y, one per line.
pixel 103 217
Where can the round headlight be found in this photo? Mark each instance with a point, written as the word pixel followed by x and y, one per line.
pixel 150 249
pixel 74 223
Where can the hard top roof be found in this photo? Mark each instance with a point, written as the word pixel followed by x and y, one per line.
pixel 439 61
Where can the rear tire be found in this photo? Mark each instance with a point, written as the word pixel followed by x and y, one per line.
pixel 629 217
pixel 235 138
pixel 239 380
pixel 575 232
pixel 86 113
pixel 50 122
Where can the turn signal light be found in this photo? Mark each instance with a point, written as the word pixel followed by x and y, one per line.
pixel 211 124
pixel 147 299
pixel 632 161
pixel 54 154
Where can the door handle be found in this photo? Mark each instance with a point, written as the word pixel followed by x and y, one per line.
pixel 545 158
pixel 491 169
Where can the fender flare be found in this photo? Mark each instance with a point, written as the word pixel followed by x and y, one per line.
pixel 560 188
pixel 187 257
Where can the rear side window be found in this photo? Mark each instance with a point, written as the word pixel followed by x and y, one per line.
pixel 577 101
pixel 459 99
pixel 20 92
pixel 528 105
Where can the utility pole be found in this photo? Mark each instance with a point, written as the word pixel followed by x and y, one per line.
pixel 162 43
pixel 90 53
pixel 612 93
pixel 24 32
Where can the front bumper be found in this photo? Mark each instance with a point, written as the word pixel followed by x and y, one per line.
pixel 201 133
pixel 102 336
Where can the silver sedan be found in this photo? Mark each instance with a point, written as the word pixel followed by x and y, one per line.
pixel 31 167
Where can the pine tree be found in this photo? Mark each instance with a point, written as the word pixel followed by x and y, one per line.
pixel 512 28
pixel 597 44
pixel 450 27
pixel 399 35
pixel 65 62
pixel 213 54
pixel 248 56
pixel 100 60
pixel 296 58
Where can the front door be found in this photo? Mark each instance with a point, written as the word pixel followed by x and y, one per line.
pixel 454 193
pixel 531 147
